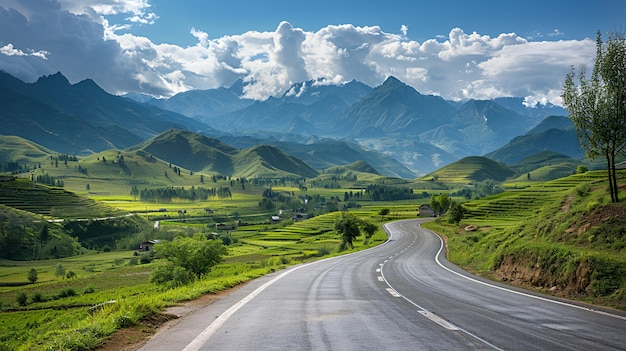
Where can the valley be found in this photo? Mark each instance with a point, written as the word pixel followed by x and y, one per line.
pixel 531 212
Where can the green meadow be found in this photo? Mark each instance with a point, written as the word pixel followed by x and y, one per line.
pixel 519 225
pixel 562 237
pixel 57 311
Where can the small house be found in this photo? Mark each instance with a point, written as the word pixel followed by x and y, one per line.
pixel 300 217
pixel 275 219
pixel 148 245
pixel 426 211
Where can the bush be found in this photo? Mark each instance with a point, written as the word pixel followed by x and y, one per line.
pixel 323 251
pixel 21 299
pixel 38 297
pixel 146 257
pixel 32 276
pixel 171 275
pixel 67 292
pixel 89 290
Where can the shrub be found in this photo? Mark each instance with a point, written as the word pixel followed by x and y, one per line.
pixel 146 257
pixel 67 292
pixel 323 251
pixel 21 299
pixel 38 297
pixel 583 190
pixel 89 290
pixel 171 275
pixel 32 275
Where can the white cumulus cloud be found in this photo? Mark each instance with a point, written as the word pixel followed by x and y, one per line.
pixel 78 40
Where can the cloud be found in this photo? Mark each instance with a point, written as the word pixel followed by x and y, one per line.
pixel 404 29
pixel 78 40
pixel 9 50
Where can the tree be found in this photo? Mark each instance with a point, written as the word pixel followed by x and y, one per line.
pixel 21 299
pixel 598 106
pixel 440 203
pixel 455 213
pixel 32 275
pixel 196 255
pixel 348 228
pixel 369 229
pixel 59 271
pixel 382 213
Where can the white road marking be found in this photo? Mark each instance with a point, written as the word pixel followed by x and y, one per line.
pixel 393 292
pixel 435 318
pixel 510 290
pixel 206 334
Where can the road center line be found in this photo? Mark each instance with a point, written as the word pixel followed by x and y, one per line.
pixel 206 334
pixel 435 318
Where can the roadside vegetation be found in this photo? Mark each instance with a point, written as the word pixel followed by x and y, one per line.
pixel 563 237
pixel 71 276
pixel 68 282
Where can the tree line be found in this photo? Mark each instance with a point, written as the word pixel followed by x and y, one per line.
pixel 167 194
pixel 382 192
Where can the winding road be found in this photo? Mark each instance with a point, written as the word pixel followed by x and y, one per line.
pixel 402 295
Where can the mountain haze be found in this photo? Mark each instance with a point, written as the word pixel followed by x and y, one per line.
pixel 400 132
pixel 555 133
pixel 80 118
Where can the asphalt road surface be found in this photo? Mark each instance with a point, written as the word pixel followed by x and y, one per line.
pixel 402 295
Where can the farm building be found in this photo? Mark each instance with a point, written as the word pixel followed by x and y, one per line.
pixel 147 246
pixel 300 217
pixel 426 211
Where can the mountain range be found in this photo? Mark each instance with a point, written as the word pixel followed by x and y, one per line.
pixel 393 128
pixel 423 132
pixel 80 118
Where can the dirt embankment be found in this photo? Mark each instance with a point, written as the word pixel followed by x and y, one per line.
pixel 562 271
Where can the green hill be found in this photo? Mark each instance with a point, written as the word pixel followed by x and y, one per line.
pixel 471 169
pixel 23 194
pixel 562 237
pixel 358 166
pixel 198 153
pixel 554 133
pixel 191 151
pixel 22 151
pixel 269 162
pixel 544 166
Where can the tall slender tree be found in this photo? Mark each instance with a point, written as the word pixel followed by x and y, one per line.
pixel 597 106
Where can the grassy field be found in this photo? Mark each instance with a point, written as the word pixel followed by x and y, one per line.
pixel 561 237
pixel 57 311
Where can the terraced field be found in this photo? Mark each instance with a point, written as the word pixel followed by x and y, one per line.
pixel 516 205
pixel 22 194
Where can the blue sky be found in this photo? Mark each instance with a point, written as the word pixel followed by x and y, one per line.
pixel 455 49
pixel 551 20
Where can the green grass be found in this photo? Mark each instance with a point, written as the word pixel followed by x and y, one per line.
pixel 561 237
pixel 260 246
pixel 22 194
pixel 102 277
pixel 471 169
